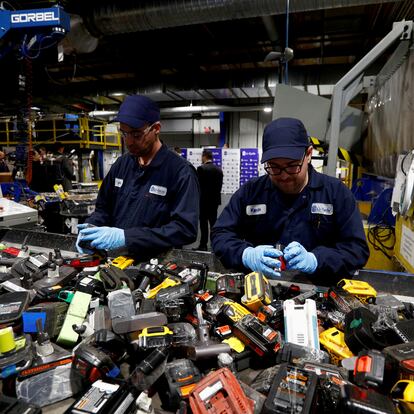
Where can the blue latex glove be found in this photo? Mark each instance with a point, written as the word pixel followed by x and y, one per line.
pixel 298 258
pixel 80 249
pixel 103 238
pixel 262 259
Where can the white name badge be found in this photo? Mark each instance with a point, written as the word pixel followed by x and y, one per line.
pixel 321 208
pixel 256 209
pixel 119 182
pixel 158 190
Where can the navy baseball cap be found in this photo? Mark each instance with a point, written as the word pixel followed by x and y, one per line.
pixel 137 111
pixel 284 138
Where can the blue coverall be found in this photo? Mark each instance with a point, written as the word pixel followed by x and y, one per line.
pixel 323 218
pixel 157 205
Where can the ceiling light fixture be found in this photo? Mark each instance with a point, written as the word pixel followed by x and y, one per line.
pixel 267 109
pixel 117 94
pixel 102 113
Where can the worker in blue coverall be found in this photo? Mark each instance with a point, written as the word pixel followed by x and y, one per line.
pixel 315 216
pixel 149 200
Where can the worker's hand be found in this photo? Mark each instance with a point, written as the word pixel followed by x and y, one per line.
pixel 103 238
pixel 80 249
pixel 84 226
pixel 298 258
pixel 262 259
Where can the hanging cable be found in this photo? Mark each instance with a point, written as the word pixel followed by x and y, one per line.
pixel 382 236
pixel 287 41
pixel 41 43
pixel 72 78
pixel 379 236
pixel 5 4
pixel 29 102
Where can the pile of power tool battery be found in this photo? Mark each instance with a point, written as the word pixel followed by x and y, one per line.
pixel 174 337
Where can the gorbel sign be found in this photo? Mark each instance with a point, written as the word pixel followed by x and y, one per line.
pixel 48 16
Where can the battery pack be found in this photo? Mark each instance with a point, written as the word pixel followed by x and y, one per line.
pixel 231 312
pixel 50 386
pixel 354 400
pixel 12 305
pixel 402 358
pixel 369 370
pixel 122 262
pixel 257 291
pixel 230 285
pixel 334 342
pixel 272 314
pixel 170 281
pixel 154 337
pixel 403 390
pixel 301 323
pixel 173 293
pixel 293 391
pixel 181 377
pixel 138 322
pixel 261 338
pixel 405 330
pixel 15 353
pixel 77 310
pixel 105 398
pixel 362 290
pixel 220 392
pixel 343 300
pixel 296 354
pixel 54 314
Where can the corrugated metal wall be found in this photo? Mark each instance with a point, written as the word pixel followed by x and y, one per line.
pixel 391 120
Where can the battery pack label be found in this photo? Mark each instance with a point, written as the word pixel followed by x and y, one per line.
pixel 208 392
pixel 96 398
pixel 11 307
pixel 12 287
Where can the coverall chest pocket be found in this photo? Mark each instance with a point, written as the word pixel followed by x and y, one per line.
pixel 154 210
pixel 323 226
pixel 254 226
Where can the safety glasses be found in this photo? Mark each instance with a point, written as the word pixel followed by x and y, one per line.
pixel 136 134
pixel 290 169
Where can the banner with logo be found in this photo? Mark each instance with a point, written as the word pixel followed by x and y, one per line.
pixel 216 156
pixel 231 170
pixel 249 160
pixel 194 156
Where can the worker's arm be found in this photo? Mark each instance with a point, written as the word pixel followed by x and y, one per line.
pixel 351 251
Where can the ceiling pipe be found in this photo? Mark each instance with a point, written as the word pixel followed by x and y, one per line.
pixel 212 108
pixel 111 18
pixel 196 109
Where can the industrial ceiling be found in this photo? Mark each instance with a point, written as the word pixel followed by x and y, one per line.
pixel 200 52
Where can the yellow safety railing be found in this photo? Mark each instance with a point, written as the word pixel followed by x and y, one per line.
pixel 83 132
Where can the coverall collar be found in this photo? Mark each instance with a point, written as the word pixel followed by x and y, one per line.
pixel 315 178
pixel 158 159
